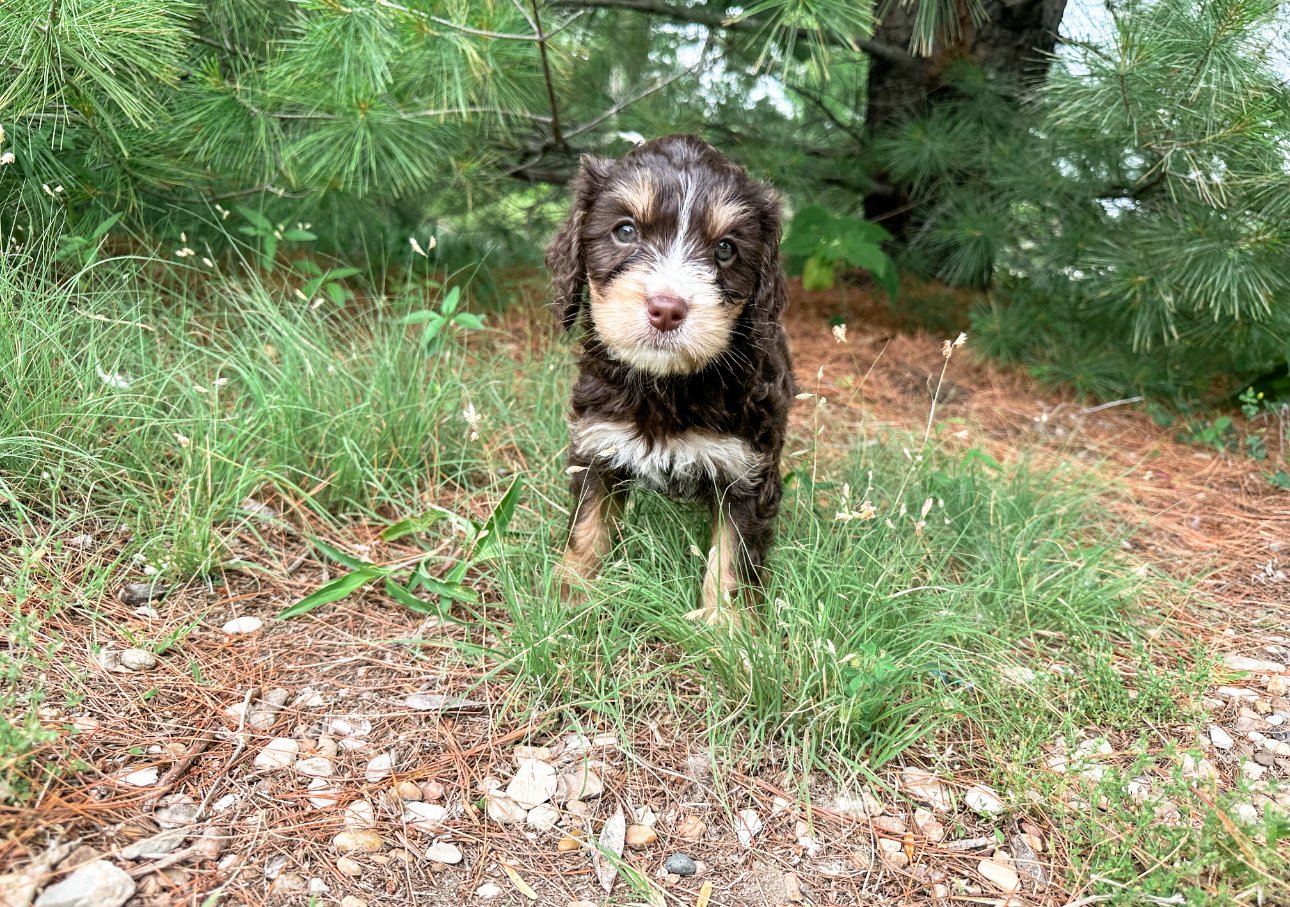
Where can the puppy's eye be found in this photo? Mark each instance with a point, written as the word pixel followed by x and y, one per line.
pixel 625 234
pixel 725 252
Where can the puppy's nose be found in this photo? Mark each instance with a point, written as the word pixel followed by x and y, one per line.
pixel 666 312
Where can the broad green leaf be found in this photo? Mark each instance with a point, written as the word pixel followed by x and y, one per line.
pixel 340 557
pixel 335 590
pixel 256 218
pixel 407 599
pixel 411 525
pixel 295 234
pixel 817 274
pixel 489 538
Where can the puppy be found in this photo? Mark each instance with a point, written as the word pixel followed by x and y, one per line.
pixel 670 260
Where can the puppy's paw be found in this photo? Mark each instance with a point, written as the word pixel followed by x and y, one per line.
pixel 572 581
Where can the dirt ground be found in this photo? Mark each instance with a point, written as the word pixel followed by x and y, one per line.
pixel 169 754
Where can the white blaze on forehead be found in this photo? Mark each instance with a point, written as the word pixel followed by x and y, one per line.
pixel 681 459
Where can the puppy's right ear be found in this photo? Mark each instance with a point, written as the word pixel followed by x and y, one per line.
pixel 564 258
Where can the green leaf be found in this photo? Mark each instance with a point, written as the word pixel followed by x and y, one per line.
pixel 817 274
pixel 101 230
pixel 449 304
pixel 469 320
pixel 256 218
pixel 489 539
pixel 340 557
pixel 407 599
pixel 296 234
pixel 411 525
pixel 335 590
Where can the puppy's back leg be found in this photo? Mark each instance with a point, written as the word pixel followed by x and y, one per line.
pixel 598 502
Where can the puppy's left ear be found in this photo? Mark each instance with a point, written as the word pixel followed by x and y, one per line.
pixel 564 255
pixel 771 297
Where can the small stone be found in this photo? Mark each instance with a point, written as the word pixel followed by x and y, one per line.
pixel 639 837
pixel 933 831
pixel 983 799
pixel 316 767
pixel 134 594
pixel 288 883
pixel 1264 758
pixel 278 753
pixel 350 900
pixel 1278 685
pixel 1252 665
pixel 379 767
pixel 1247 813
pixel 141 777
pixel 157 845
pixel 747 826
pixel 1253 771
pixel 578 808
pixel 581 784
pixel 543 818
pixel 691 828
pixel 424 816
pixel 680 864
pixel 505 810
pixel 360 814
pixel 443 852
pixel 523 753
pixel 406 790
pixel 926 787
pixel 97 884
pixel 488 891
pixel 534 784
pixel 432 790
pixel 1219 737
pixel 568 844
pixel 137 659
pixel 323 794
pixel 358 841
pixel 240 626
pixel 212 842
pixel 999 875
pixel 889 825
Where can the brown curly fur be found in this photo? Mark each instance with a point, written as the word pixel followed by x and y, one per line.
pixel 735 401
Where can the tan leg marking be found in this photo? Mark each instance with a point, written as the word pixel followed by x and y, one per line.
pixel 591 537
pixel 722 593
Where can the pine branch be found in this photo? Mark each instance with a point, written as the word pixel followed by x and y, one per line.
pixel 478 32
pixel 700 15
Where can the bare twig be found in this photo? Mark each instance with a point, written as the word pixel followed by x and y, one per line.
pixel 546 74
pixel 1102 406
pixel 176 772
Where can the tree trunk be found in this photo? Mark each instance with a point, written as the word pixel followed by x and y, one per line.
pixel 1014 39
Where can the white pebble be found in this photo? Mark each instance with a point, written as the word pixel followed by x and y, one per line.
pixel 239 626
pixel 278 753
pixel 380 767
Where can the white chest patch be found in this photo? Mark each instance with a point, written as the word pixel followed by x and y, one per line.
pixel 679 464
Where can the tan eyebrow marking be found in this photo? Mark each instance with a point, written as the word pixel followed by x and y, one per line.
pixel 637 194
pixel 723 214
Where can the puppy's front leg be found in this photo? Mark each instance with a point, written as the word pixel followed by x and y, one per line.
pixel 742 530
pixel 598 502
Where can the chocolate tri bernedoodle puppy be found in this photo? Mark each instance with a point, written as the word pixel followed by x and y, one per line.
pixel 670 260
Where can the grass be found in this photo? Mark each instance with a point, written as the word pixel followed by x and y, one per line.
pixel 924 599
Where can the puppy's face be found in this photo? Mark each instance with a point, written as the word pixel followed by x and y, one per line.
pixel 671 245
